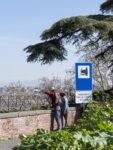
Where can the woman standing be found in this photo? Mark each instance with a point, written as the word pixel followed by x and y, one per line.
pixel 64 108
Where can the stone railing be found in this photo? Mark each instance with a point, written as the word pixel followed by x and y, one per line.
pixel 16 123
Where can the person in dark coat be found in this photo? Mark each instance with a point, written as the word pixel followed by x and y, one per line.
pixel 56 109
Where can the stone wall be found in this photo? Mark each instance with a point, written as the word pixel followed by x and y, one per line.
pixel 14 124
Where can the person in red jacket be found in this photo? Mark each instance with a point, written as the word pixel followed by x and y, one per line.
pixel 56 110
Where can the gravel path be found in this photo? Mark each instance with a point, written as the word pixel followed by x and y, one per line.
pixel 9 144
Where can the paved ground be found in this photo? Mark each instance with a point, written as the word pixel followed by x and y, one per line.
pixel 9 144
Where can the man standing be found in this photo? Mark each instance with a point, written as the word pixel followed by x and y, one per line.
pixel 56 110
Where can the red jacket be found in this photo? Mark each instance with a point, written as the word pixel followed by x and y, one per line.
pixel 52 96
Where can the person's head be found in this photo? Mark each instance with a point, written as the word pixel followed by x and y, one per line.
pixel 62 94
pixel 52 88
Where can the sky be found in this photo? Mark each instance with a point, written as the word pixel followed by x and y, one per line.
pixel 21 24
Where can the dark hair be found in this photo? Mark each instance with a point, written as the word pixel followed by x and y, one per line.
pixel 62 94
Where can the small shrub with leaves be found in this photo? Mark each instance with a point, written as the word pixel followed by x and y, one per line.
pixel 94 132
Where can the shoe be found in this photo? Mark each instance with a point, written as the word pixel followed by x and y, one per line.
pixel 57 129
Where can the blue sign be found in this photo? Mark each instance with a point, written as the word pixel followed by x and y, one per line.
pixel 83 76
pixel 83 82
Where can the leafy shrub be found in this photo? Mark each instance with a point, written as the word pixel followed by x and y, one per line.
pixel 94 132
pixel 97 117
pixel 64 140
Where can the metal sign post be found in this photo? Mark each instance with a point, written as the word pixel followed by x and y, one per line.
pixel 83 82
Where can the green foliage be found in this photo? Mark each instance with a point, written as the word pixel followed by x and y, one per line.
pixel 107 6
pixel 97 117
pixel 82 31
pixel 46 52
pixel 64 140
pixel 94 132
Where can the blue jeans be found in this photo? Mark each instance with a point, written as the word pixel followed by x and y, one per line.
pixel 56 114
pixel 65 116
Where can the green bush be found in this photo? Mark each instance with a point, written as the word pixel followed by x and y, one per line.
pixel 64 140
pixel 94 132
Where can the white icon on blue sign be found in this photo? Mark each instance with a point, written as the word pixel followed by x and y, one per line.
pixel 83 72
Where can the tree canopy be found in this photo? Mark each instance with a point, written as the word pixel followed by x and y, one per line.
pixel 94 31
pixel 107 6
